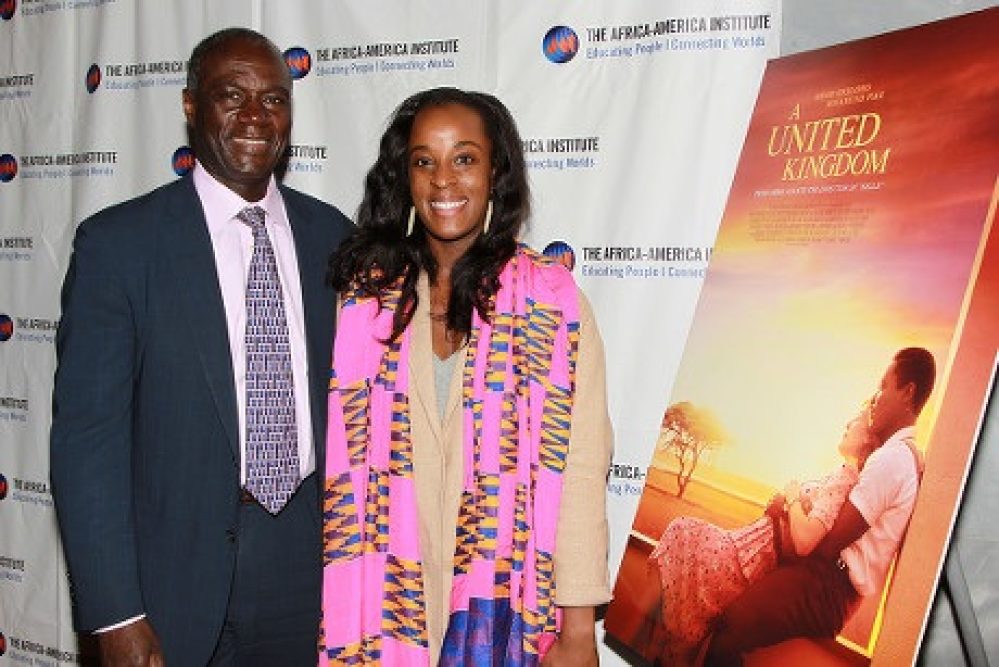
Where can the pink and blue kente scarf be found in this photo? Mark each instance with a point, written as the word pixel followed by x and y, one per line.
pixel 517 386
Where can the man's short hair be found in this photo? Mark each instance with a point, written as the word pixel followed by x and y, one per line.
pixel 916 365
pixel 214 41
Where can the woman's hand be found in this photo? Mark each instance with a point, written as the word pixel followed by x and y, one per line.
pixel 792 491
pixel 566 652
pixel 576 645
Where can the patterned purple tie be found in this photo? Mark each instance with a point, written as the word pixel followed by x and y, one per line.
pixel 271 436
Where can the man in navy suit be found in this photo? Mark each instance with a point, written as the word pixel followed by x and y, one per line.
pixel 172 558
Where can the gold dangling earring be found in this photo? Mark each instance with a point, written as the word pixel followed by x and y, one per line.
pixel 489 217
pixel 412 221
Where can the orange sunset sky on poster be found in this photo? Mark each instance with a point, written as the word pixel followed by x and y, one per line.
pixel 856 225
pixel 792 333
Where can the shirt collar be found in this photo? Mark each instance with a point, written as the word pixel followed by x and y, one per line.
pixel 903 434
pixel 222 205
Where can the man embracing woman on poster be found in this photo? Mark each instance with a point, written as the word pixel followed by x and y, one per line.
pixel 801 569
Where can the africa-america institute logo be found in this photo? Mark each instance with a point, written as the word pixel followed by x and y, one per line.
pixel 561 252
pixel 93 79
pixel 560 44
pixel 182 161
pixel 299 62
pixel 8 168
pixel 3 640
pixel 3 494
pixel 7 9
pixel 6 327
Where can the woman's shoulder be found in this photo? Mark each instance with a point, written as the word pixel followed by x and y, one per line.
pixel 558 277
pixel 553 272
pixel 844 476
pixel 538 259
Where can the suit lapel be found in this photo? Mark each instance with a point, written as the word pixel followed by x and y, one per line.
pixel 196 281
pixel 422 381
pixel 319 309
pixel 421 370
pixel 454 389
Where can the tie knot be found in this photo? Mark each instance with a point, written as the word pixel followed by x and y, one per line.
pixel 252 216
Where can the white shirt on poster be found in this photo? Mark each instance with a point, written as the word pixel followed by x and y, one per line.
pixel 884 495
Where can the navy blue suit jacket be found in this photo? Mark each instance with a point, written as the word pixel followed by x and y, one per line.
pixel 144 443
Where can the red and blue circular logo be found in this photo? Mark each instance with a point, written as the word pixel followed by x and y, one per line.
pixel 299 62
pixel 560 44
pixel 3 644
pixel 8 168
pixel 182 161
pixel 561 252
pixel 3 494
pixel 93 78
pixel 6 327
pixel 7 9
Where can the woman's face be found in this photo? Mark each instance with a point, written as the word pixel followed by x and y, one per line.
pixel 858 438
pixel 450 173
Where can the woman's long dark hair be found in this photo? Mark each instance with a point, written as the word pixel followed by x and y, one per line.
pixel 379 254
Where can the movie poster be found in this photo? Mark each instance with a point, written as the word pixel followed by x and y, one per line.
pixel 858 224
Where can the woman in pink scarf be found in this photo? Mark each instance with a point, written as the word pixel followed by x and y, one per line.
pixel 468 442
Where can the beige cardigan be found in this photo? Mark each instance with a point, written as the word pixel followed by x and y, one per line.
pixel 581 576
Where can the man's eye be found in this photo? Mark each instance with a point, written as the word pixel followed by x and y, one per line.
pixel 230 95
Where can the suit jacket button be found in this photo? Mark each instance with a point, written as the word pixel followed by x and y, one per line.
pixel 230 535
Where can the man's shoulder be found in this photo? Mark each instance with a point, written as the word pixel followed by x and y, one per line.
pixel 313 207
pixel 892 458
pixel 135 212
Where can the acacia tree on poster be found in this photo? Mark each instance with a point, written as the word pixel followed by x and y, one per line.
pixel 687 432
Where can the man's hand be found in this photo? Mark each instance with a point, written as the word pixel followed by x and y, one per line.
pixel 576 645
pixel 134 645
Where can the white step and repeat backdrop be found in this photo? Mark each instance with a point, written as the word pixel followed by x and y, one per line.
pixel 632 115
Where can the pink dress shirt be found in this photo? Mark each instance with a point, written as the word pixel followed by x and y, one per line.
pixel 232 243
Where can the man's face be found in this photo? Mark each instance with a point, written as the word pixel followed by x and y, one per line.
pixel 892 405
pixel 240 115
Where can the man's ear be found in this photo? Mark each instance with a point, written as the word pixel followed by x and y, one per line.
pixel 187 101
pixel 909 392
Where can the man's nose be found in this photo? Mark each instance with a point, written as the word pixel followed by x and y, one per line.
pixel 253 109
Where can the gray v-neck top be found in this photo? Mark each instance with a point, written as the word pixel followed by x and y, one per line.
pixel 443 370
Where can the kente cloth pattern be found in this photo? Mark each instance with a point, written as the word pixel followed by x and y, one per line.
pixel 272 470
pixel 517 390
